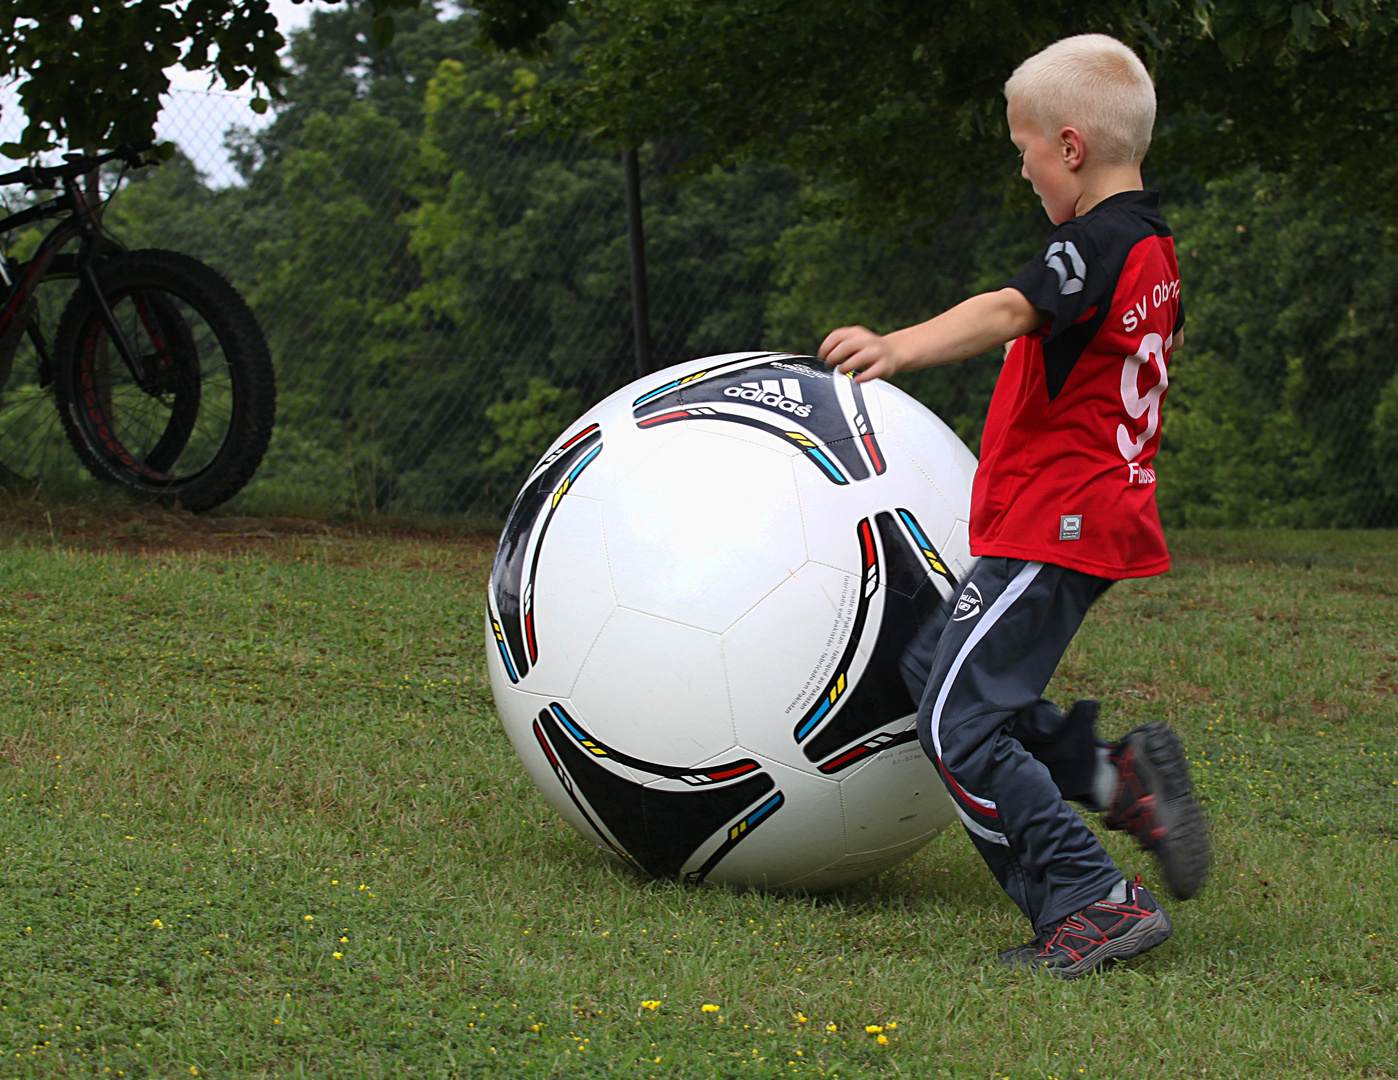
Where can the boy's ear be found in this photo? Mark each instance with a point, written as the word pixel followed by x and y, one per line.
pixel 1072 147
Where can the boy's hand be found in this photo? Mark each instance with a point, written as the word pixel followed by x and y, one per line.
pixel 856 348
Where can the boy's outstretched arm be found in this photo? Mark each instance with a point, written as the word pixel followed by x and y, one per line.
pixel 972 327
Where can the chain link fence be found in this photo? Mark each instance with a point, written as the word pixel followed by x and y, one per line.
pixel 443 294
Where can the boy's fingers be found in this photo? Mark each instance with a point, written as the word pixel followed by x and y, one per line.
pixel 845 356
pixel 832 340
pixel 867 363
pixel 857 354
pixel 839 344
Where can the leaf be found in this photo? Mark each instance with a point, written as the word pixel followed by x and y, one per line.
pixel 1301 22
pixel 258 105
pixel 383 29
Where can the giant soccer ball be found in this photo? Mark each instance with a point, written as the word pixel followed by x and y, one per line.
pixel 697 611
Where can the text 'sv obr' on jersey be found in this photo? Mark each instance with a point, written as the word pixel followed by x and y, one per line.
pixel 1067 471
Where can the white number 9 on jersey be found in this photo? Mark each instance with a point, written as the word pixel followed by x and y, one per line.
pixel 1155 350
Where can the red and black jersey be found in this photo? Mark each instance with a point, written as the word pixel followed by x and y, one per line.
pixel 1066 473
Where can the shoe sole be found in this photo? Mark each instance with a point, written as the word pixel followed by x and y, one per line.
pixel 1184 849
pixel 1151 931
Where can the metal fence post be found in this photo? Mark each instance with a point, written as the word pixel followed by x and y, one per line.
pixel 640 298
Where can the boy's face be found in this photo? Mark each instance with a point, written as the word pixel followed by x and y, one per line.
pixel 1049 165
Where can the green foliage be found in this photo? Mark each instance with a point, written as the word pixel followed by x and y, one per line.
pixel 900 102
pixel 524 428
pixel 1227 461
pixel 414 259
pixel 1276 410
pixel 1386 436
pixel 424 262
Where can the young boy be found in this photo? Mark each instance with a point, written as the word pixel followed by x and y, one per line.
pixel 1063 505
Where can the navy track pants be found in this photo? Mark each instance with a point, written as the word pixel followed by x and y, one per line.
pixel 1008 757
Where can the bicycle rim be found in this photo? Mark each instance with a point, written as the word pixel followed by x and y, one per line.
pixel 170 432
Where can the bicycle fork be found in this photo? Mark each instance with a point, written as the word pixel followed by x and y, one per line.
pixel 87 277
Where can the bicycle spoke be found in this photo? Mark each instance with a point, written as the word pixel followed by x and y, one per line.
pixel 32 443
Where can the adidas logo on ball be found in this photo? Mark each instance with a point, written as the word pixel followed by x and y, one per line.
pixel 784 394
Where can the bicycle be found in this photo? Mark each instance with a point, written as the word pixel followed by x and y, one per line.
pixel 159 372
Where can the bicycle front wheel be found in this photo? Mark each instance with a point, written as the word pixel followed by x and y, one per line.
pixel 190 416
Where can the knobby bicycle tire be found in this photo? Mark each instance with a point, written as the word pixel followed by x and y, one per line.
pixel 196 434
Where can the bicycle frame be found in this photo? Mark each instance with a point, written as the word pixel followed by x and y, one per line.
pixel 82 221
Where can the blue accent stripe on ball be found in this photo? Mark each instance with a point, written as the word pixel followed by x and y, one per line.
pixel 912 527
pixel 585 462
pixel 765 809
pixel 505 656
pixel 826 464
pixel 814 720
pixel 563 719
pixel 654 393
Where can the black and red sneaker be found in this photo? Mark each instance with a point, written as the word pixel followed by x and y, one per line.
pixel 1099 934
pixel 1154 802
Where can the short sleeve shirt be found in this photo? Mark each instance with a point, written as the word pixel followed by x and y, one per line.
pixel 1066 473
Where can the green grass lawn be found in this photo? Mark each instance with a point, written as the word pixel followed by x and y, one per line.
pixel 259 819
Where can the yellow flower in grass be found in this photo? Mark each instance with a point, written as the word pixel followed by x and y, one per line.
pixel 799 1018
pixel 873 1029
pixel 651 1005
pixel 708 1008
pixel 157 924
pixel 832 1027
pixel 338 955
pixel 882 1040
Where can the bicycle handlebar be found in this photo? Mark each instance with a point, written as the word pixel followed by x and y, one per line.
pixel 77 165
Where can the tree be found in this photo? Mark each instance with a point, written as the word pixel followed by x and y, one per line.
pixel 901 99
pixel 91 72
pixel 440 288
pixel 1281 407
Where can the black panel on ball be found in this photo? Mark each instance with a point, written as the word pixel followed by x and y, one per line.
pixel 880 696
pixel 541 493
pixel 659 830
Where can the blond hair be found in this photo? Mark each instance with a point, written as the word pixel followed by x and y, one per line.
pixel 1094 83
